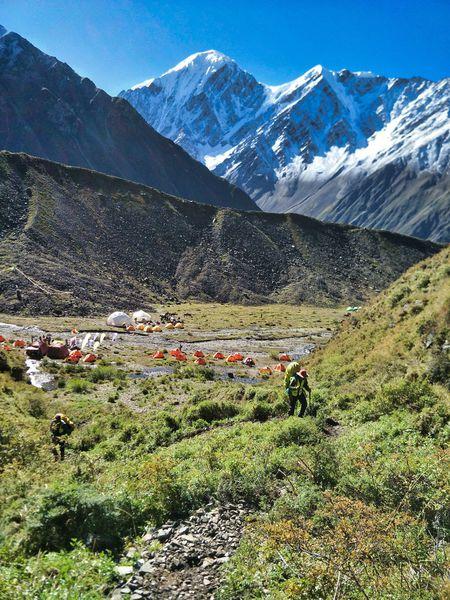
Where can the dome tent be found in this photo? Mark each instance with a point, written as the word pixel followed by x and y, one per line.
pixel 119 319
pixel 141 316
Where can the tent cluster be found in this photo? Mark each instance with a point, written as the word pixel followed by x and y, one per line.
pixel 71 350
pixel 140 321
pixel 8 345
pixel 201 359
pixel 58 350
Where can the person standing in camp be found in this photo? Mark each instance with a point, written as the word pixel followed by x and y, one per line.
pixel 60 428
pixel 296 383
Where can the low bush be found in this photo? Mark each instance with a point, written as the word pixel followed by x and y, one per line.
pixel 65 575
pixel 194 372
pixel 64 513
pixel 260 411
pixel 105 373
pixel 78 386
pixel 296 431
pixel 211 410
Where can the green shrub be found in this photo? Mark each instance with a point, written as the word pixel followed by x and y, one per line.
pixel 36 407
pixel 423 282
pixel 62 514
pixel 261 411
pixel 211 410
pixel 105 373
pixel 415 394
pixel 399 295
pixel 439 369
pixel 194 372
pixel 78 386
pixel 65 575
pixel 297 431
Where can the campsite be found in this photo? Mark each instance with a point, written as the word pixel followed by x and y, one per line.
pixel 267 335
pixel 179 474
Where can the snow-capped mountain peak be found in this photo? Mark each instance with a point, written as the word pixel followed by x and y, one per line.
pixel 202 60
pixel 306 145
pixel 198 65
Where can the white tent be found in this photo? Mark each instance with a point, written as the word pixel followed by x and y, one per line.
pixel 141 317
pixel 119 319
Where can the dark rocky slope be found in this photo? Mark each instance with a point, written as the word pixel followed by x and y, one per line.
pixel 77 241
pixel 46 109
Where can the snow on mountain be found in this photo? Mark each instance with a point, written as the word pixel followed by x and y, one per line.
pixel 314 144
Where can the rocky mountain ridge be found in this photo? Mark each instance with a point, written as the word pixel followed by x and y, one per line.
pixel 48 110
pixel 350 147
pixel 74 241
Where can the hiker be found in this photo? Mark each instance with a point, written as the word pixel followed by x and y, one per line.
pixel 296 388
pixel 60 427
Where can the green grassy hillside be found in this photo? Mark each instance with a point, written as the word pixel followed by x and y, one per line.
pixel 366 514
pixel 358 510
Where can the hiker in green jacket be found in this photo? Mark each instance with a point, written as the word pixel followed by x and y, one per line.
pixel 60 428
pixel 296 391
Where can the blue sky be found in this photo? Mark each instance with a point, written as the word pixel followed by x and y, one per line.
pixel 118 43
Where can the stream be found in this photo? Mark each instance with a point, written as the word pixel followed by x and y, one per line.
pixel 38 377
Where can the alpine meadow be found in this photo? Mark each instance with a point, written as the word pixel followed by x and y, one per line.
pixel 224 304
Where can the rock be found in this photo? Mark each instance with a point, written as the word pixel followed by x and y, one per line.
pixel 147 567
pixel 188 564
pixel 207 562
pixel 124 570
pixel 188 538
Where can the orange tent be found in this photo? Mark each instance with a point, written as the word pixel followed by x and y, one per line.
pixel 2 339
pixel 141 327
pixel 19 344
pixel 265 371
pixel 158 354
pixel 238 356
pixel 218 356
pixel 179 326
pixel 148 329
pixel 280 367
pixel 131 328
pixel 156 328
pixel 231 358
pixel 200 361
pixel 199 354
pixel 181 356
pixel 7 348
pixel 284 358
pixel 169 326
pixel 175 352
pixel 74 356
pixel 90 358
pixel 74 331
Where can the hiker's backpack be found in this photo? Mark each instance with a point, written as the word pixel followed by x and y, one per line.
pixel 296 384
pixel 68 425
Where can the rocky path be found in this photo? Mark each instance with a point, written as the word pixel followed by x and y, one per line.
pixel 189 562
